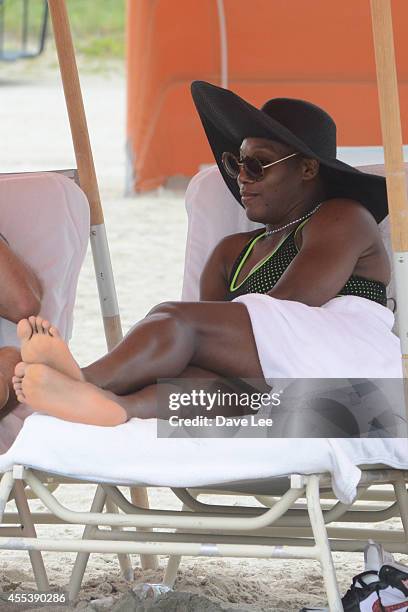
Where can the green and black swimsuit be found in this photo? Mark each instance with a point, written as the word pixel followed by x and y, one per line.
pixel 267 272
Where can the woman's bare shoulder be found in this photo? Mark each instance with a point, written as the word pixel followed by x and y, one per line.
pixel 213 282
pixel 346 209
pixel 341 220
pixel 235 242
pixel 339 215
pixel 228 249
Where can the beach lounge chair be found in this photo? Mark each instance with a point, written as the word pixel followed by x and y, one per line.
pixel 55 250
pixel 304 495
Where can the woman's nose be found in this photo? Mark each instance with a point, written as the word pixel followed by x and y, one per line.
pixel 243 176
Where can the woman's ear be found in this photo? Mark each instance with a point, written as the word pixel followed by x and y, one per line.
pixel 310 168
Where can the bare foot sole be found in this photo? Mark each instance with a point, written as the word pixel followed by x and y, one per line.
pixel 41 343
pixel 47 390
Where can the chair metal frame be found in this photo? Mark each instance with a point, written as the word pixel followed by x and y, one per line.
pixel 281 528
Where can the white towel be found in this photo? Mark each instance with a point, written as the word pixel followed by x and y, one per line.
pixel 132 454
pixel 349 337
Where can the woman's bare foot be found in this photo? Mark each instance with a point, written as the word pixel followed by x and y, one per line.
pixel 47 390
pixel 41 343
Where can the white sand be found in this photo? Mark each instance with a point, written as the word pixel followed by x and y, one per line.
pixel 146 237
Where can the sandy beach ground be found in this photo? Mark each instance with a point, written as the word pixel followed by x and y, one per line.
pixel 146 236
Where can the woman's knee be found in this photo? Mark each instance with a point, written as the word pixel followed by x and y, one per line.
pixel 162 307
pixel 174 315
pixel 171 308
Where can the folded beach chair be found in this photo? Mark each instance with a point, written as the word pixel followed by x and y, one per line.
pixel 303 489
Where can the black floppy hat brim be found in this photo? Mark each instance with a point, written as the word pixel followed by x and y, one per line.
pixel 227 120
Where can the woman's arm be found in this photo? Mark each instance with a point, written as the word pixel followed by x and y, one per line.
pixel 332 242
pixel 20 289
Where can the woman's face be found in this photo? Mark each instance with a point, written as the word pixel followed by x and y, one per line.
pixel 269 199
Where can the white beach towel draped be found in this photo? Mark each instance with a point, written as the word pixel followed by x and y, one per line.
pixel 132 454
pixel 349 337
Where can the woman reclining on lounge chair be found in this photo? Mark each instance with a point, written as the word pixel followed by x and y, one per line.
pixel 304 297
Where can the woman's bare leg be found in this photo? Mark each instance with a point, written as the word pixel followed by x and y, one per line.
pixel 145 404
pixel 55 394
pixel 215 336
pixel 152 401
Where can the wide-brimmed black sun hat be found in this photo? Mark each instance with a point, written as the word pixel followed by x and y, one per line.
pixel 228 119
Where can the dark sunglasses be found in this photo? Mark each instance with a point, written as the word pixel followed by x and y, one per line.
pixel 252 166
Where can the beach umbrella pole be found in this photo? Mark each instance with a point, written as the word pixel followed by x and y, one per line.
pixel 86 170
pixel 89 184
pixel 394 161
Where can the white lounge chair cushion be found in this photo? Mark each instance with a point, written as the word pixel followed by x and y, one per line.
pixel 132 454
pixel 45 218
pixel 213 213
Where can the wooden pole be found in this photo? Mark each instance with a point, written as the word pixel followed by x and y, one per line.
pixel 86 168
pixel 387 83
pixel 89 184
pixel 393 154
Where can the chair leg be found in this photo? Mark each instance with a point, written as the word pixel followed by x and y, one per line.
pixel 170 574
pixel 82 557
pixel 6 486
pixel 28 531
pixel 124 560
pixel 401 494
pixel 322 543
pixel 173 564
pixel 140 498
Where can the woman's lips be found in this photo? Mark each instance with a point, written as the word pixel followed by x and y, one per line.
pixel 247 197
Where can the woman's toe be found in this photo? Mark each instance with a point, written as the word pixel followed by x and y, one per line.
pixel 39 322
pixel 24 330
pixel 53 331
pixel 19 370
pixel 46 326
pixel 33 323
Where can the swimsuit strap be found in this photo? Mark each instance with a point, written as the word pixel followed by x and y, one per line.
pixel 243 256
